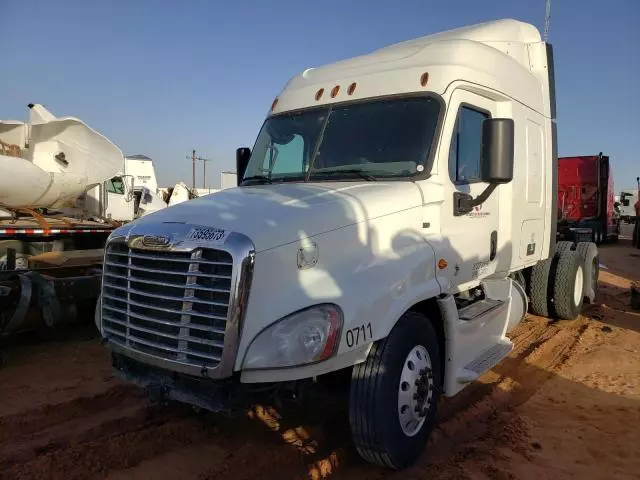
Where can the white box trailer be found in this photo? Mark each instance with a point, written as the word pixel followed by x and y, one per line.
pixel 143 171
pixel 228 180
pixel 395 221
pixel 627 202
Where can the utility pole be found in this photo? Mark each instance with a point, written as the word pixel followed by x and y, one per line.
pixel 204 171
pixel 193 159
pixel 547 20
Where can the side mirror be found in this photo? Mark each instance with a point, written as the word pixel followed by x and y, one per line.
pixel 498 136
pixel 242 160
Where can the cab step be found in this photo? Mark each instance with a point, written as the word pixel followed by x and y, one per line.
pixel 479 308
pixel 485 362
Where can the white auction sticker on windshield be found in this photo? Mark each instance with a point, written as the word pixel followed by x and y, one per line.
pixel 207 235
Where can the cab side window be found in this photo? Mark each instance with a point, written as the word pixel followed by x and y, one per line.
pixel 466 146
pixel 116 185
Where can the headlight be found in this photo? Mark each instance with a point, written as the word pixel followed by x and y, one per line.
pixel 307 336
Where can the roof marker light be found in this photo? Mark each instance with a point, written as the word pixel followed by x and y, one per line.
pixel 424 79
pixel 319 94
pixel 334 91
pixel 352 88
pixel 273 105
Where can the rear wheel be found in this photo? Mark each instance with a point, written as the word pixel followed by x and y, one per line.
pixel 563 245
pixel 568 285
pixel 597 235
pixel 588 253
pixel 539 288
pixel 395 392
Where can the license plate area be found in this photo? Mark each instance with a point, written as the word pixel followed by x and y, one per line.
pixel 207 235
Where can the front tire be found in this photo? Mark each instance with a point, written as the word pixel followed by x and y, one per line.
pixel 395 392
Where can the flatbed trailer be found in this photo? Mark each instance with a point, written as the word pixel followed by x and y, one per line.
pixel 50 269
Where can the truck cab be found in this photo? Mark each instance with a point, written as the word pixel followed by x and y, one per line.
pixel 394 220
pixel 628 200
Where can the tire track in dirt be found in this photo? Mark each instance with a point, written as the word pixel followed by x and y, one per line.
pixel 527 338
pixel 27 423
pixel 117 443
pixel 104 425
pixel 539 353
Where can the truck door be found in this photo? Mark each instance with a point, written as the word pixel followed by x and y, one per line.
pixel 474 237
pixel 119 200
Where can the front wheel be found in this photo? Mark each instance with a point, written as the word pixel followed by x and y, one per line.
pixel 395 392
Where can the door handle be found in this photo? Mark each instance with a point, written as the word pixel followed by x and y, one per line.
pixel 494 245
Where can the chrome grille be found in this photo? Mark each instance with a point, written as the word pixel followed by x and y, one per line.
pixel 169 304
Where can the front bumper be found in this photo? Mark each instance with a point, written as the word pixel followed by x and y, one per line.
pixel 225 396
pixel 164 385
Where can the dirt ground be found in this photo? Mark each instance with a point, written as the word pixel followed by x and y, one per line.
pixel 565 404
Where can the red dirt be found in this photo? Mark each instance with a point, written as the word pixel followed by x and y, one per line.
pixel 565 404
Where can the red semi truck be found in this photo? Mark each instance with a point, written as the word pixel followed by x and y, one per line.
pixel 586 199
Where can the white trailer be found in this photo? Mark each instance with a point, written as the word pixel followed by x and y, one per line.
pixel 628 200
pixel 394 222
pixel 228 180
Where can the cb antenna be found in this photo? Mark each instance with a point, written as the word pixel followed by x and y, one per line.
pixel 547 20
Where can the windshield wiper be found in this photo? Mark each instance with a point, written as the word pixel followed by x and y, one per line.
pixel 355 171
pixel 260 179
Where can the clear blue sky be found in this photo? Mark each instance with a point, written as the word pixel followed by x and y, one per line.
pixel 163 77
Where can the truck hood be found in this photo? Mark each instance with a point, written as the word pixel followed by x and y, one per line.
pixel 273 215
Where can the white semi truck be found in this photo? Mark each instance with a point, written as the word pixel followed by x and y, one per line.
pixel 627 201
pixel 394 221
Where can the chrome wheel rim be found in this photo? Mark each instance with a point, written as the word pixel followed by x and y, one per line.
pixel 415 390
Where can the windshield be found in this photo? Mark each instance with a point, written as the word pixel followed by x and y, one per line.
pixel 376 139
